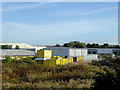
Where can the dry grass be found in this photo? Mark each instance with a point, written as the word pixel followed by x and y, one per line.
pixel 25 75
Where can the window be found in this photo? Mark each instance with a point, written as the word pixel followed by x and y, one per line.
pixel 115 53
pixel 89 52
pixel 94 52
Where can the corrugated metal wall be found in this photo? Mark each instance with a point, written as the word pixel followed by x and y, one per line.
pixel 58 51
pixel 65 51
pixel 90 57
pixel 18 52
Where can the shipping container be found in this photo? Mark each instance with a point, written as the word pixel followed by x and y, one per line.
pixel 80 58
pixel 58 62
pixel 74 59
pixel 44 53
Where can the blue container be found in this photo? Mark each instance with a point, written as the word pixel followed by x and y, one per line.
pixel 74 59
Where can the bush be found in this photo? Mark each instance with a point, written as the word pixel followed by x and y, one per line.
pixel 8 59
pixel 29 61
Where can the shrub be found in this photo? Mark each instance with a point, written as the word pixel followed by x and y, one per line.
pixel 8 59
pixel 29 61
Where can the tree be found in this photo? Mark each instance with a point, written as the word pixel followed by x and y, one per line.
pixel 105 45
pixel 88 45
pixel 93 45
pixel 75 44
pixel 97 46
pixel 9 47
pixel 17 47
pixel 57 45
pixel 6 47
pixel 66 45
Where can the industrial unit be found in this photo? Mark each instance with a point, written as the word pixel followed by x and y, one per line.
pixel 23 46
pixel 67 52
pixel 72 52
pixel 64 52
pixel 45 57
pixel 103 51
pixel 18 52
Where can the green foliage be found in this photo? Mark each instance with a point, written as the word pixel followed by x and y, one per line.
pixel 57 45
pixel 6 47
pixel 93 45
pixel 75 44
pixel 112 68
pixel 7 60
pixel 105 45
pixel 17 47
pixel 110 80
pixel 29 61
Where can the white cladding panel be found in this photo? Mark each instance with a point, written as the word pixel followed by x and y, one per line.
pixel 71 52
pixel 105 51
pixel 77 52
pixel 65 51
pixel 84 52
pixel 90 57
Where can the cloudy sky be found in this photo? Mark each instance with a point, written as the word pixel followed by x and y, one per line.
pixel 51 23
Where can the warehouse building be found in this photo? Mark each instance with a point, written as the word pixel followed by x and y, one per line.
pixel 67 52
pixel 18 53
pixel 23 46
pixel 103 51
pixel 72 52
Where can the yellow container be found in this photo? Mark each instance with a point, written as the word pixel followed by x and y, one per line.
pixel 80 58
pixel 61 62
pixel 64 61
pixel 72 60
pixel 3 56
pixel 24 57
pixel 69 60
pixel 12 57
pixel 51 62
pixel 44 53
pixel 31 56
pixel 58 62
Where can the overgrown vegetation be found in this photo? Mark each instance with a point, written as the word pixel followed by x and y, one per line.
pixel 112 69
pixel 28 73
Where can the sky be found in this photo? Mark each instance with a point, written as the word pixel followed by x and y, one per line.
pixel 49 23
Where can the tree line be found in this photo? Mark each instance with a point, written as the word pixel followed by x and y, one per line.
pixel 76 44
pixel 9 47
